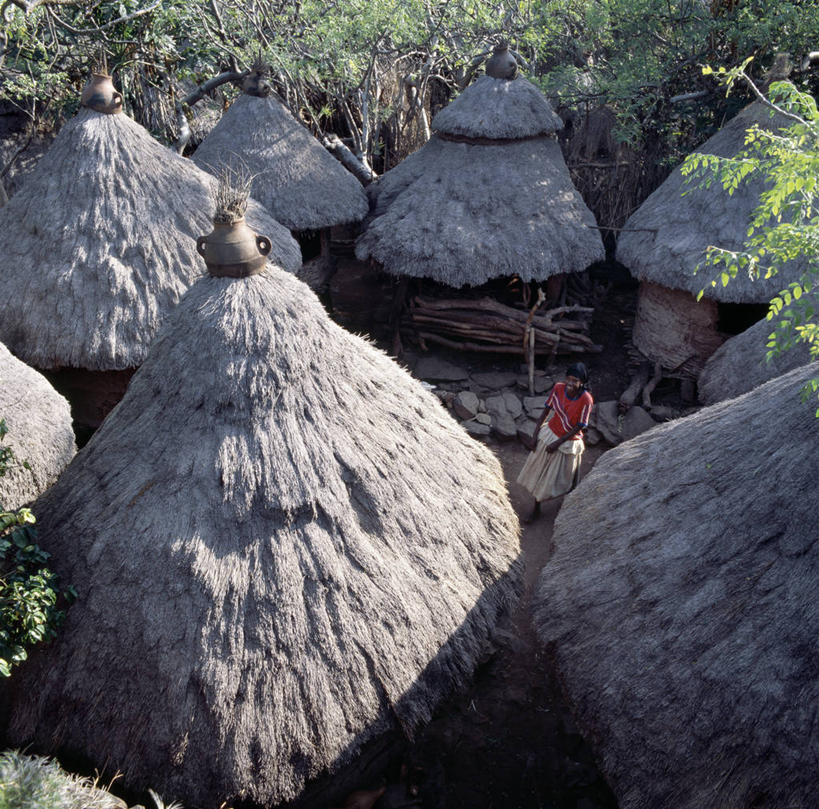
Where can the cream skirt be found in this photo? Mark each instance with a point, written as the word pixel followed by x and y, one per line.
pixel 546 475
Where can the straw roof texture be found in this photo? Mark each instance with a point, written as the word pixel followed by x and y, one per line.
pixel 666 237
pixel 463 214
pixel 739 365
pixel 680 606
pixel 498 109
pixel 39 431
pixel 296 178
pixel 99 245
pixel 285 548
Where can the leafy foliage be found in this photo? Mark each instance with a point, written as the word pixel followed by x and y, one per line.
pixel 29 591
pixel 785 225
pixel 365 65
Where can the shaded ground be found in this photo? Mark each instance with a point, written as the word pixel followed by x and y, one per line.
pixel 509 741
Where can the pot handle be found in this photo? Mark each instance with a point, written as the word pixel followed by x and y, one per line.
pixel 116 98
pixel 200 245
pixel 263 244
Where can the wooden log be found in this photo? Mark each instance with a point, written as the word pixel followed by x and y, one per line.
pixel 465 315
pixel 497 306
pixel 652 383
pixel 629 396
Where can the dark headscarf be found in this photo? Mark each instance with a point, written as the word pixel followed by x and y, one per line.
pixel 578 370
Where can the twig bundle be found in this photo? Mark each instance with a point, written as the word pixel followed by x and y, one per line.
pixel 231 193
pixel 487 325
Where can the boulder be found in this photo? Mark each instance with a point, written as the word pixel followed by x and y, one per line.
pixel 466 404
pixel 526 432
pixel 495 380
pixel 513 406
pixel 504 427
pixel 483 418
pixel 474 427
pixel 496 405
pixel 617 427
pixel 439 370
pixel 533 405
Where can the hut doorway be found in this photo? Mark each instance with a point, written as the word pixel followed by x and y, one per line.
pixel 735 318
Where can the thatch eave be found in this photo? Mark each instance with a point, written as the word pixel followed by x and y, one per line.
pixel 463 214
pixel 302 185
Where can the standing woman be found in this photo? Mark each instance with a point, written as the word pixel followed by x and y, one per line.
pixel 553 467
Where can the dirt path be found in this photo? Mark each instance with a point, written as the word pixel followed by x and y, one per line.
pixel 509 742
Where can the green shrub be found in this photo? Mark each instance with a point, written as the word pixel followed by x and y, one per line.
pixel 29 594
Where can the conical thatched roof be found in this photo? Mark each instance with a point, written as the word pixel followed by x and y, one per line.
pixel 284 548
pixel 39 431
pixel 498 109
pixel 463 212
pixel 100 243
pixel 666 237
pixel 680 606
pixel 296 178
pixel 739 364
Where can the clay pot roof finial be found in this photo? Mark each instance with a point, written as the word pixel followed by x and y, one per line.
pixel 232 249
pixel 100 94
pixel 502 64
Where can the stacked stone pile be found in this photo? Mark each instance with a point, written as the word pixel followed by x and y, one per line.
pixel 499 403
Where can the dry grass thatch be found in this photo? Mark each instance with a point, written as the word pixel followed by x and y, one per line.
pixel 739 365
pixel 40 433
pixel 666 238
pixel 100 244
pixel 463 214
pixel 284 548
pixel 498 109
pixel 680 606
pixel 295 177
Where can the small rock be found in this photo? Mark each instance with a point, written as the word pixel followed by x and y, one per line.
pixel 513 405
pixel 474 427
pixel 593 436
pixel 466 404
pixel 483 418
pixel 496 405
pixel 495 380
pixel 438 369
pixel 504 427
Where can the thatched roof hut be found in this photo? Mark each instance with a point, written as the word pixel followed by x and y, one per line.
pixel 285 551
pixel 99 245
pixel 39 431
pixel 488 196
pixel 739 365
pixel 296 178
pixel 680 606
pixel 666 238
